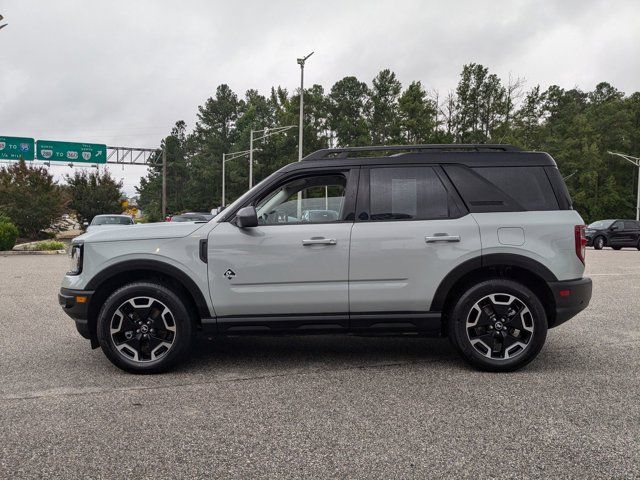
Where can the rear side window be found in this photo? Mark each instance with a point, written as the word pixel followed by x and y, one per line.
pixel 503 189
pixel 407 193
pixel 529 186
pixel 630 225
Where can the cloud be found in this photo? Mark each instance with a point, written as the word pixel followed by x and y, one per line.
pixel 123 72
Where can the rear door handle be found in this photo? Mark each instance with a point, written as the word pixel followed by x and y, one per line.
pixel 319 241
pixel 442 237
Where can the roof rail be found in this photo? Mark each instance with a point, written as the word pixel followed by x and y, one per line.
pixel 329 153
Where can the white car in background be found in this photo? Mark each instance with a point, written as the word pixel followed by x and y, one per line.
pixel 105 221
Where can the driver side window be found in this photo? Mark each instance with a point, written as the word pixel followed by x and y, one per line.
pixel 314 199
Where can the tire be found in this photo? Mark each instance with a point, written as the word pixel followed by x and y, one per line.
pixel 145 327
pixel 616 248
pixel 638 246
pixel 477 335
pixel 598 243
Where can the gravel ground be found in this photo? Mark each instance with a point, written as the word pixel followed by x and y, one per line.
pixel 320 407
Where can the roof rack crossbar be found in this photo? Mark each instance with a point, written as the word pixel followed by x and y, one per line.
pixel 344 152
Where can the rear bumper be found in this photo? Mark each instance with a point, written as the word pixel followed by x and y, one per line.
pixel 571 297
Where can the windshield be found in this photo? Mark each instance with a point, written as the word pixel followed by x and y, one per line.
pixel 115 220
pixel 601 224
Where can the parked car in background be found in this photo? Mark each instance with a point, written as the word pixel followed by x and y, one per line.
pixel 106 221
pixel 613 233
pixel 191 217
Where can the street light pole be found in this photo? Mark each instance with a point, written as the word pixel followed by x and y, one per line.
pixel 635 161
pixel 251 160
pixel 301 62
pixel 164 182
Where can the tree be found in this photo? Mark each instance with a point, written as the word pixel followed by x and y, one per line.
pixel 480 104
pixel 417 115
pixel 384 121
pixel 576 127
pixel 93 194
pixel 30 197
pixel 348 111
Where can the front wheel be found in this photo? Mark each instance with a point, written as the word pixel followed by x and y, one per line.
pixel 144 327
pixel 498 325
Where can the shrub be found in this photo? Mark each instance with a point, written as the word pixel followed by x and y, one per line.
pixel 8 235
pixel 46 245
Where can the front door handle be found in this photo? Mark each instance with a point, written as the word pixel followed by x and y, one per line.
pixel 319 241
pixel 442 237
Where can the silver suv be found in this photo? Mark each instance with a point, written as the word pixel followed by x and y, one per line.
pixel 475 242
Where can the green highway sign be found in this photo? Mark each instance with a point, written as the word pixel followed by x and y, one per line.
pixel 71 152
pixel 16 148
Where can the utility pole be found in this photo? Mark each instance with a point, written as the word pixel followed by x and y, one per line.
pixel 301 62
pixel 224 161
pixel 164 182
pixel 266 132
pixel 227 157
pixel 635 161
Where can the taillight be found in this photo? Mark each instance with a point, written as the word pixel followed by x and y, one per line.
pixel 581 241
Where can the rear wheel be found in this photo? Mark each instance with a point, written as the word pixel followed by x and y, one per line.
pixel 598 243
pixel 498 325
pixel 145 328
pixel 616 248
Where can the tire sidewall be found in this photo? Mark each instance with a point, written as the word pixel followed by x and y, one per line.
pixel 598 243
pixel 182 319
pixel 459 314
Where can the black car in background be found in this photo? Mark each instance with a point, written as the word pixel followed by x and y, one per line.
pixel 613 233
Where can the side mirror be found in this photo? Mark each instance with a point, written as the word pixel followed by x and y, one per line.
pixel 614 228
pixel 85 224
pixel 247 217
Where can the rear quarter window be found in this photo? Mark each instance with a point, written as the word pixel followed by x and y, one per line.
pixel 529 186
pixel 503 189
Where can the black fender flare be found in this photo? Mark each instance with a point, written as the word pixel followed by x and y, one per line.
pixel 153 266
pixel 492 259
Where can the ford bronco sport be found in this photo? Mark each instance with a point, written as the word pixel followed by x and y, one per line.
pixel 475 242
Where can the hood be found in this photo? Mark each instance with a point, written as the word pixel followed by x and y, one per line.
pixel 141 231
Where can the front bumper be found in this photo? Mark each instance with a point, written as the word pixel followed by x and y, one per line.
pixel 571 297
pixel 75 303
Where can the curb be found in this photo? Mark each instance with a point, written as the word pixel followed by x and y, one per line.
pixel 9 253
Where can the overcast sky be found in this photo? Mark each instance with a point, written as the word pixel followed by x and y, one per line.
pixel 122 72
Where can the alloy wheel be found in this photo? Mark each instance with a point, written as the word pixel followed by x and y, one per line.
pixel 500 326
pixel 143 329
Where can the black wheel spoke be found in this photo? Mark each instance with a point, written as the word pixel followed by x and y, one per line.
pixel 134 342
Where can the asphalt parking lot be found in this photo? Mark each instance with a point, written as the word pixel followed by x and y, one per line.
pixel 320 407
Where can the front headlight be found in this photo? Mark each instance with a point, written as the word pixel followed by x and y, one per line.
pixel 75 255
